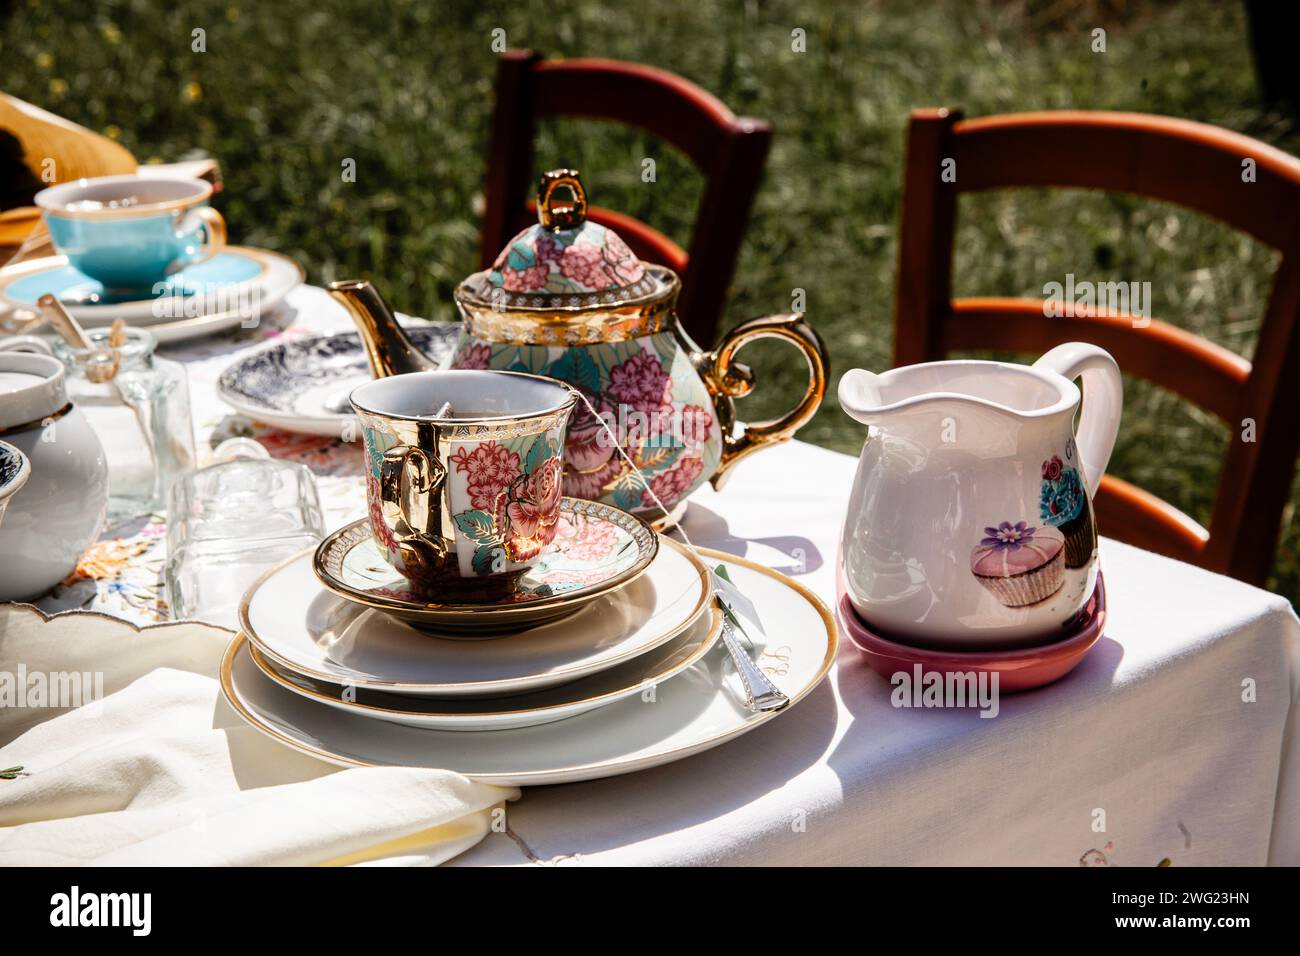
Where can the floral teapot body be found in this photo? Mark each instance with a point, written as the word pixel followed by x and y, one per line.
pixel 568 299
pixel 970 523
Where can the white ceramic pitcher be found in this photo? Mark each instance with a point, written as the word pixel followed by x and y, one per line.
pixel 970 523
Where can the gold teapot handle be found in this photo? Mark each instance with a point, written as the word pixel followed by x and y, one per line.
pixel 725 377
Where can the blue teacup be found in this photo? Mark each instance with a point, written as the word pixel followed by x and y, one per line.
pixel 132 232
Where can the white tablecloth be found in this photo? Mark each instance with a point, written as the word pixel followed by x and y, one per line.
pixel 1151 731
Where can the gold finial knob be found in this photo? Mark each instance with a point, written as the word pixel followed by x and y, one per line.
pixel 554 213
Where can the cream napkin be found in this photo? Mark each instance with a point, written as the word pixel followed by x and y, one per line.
pixel 160 770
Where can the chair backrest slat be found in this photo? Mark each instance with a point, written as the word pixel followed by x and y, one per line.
pixel 730 151
pixel 665 105
pixel 1188 164
pixel 1244 183
pixel 1202 372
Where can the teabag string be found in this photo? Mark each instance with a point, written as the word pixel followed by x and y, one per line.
pixel 734 603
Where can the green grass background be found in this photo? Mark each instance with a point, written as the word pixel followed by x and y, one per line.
pixel 286 91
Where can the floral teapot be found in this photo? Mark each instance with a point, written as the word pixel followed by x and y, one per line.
pixel 970 522
pixel 568 299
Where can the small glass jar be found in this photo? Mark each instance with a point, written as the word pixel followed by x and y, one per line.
pixel 139 406
pixel 231 521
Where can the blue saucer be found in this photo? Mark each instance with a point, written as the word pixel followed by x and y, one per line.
pixel 76 288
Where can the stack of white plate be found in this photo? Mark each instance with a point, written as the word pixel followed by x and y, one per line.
pixel 605 663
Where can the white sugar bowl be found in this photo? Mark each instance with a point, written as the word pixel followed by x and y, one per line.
pixel 50 521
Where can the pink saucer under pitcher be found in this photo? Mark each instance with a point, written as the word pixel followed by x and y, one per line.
pixel 1017 669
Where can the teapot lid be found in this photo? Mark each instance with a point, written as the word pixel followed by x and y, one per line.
pixel 564 260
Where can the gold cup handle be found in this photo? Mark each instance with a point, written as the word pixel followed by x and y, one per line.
pixel 410 482
pixel 214 233
pixel 726 377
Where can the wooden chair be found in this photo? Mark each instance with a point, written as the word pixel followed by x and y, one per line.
pixel 729 150
pixel 1189 164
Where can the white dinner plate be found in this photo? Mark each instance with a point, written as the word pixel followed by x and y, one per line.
pixel 696 710
pixel 637 676
pixel 300 625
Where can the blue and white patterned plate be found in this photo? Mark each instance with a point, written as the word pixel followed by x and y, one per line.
pixel 301 385
pixel 14 471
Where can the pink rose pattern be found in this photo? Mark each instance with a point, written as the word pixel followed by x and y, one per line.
pixel 517 510
pixel 520 510
pixel 529 510
pixel 584 540
pixel 491 468
pixel 474 355
pixel 642 384
pixel 624 264
pixel 638 384
pixel 696 423
pixel 664 434
pixel 526 280
pixel 673 483
pixel 594 261
pixel 586 447
pixel 583 264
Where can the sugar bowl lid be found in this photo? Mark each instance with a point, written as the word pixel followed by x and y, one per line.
pixel 565 261
pixel 32 390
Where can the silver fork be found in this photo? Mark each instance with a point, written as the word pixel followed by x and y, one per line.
pixel 760 693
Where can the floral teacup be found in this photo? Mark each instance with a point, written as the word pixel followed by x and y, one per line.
pixel 464 474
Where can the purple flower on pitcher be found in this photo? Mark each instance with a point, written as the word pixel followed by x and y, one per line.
pixel 1007 536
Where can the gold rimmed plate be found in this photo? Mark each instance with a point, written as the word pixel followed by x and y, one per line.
pixel 597 549
pixel 304 628
pixel 231 290
pixel 699 708
pixel 637 676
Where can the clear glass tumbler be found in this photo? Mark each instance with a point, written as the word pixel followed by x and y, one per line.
pixel 229 522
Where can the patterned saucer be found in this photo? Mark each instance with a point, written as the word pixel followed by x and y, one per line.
pixel 230 290
pixel 597 549
pixel 301 385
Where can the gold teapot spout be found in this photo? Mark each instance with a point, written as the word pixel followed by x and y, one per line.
pixel 388 349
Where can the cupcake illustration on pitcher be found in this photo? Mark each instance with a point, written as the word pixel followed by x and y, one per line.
pixel 1019 564
pixel 1063 504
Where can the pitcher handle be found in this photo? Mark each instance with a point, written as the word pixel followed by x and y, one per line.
pixel 725 377
pixel 1103 403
